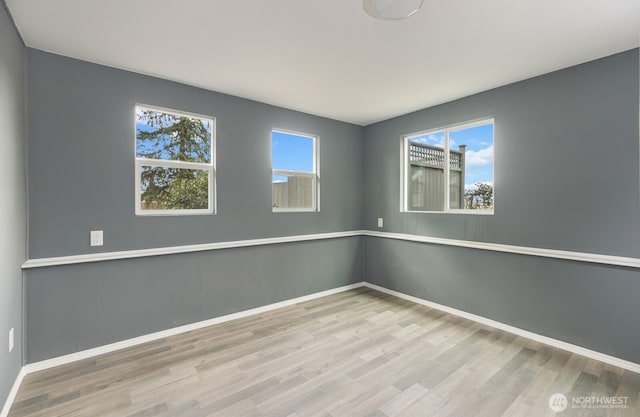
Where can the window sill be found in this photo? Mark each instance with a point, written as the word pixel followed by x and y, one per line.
pixel 301 210
pixel 462 211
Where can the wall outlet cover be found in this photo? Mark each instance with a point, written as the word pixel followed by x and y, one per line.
pixel 96 238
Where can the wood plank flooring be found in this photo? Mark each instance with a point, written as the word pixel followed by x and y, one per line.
pixel 357 353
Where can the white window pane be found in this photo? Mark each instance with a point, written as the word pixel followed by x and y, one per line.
pixel 450 169
pixel 294 172
pixel 426 172
pixel 475 171
pixel 292 152
pixel 292 191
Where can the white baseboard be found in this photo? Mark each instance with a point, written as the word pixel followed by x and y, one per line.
pixel 592 354
pixel 89 353
pixel 12 394
pixel 61 360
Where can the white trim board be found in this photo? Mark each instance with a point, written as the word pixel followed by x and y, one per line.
pixel 520 250
pixel 171 250
pixel 592 354
pixel 100 350
pixel 12 394
pixel 495 247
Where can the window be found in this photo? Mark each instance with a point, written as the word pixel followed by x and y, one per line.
pixel 175 164
pixel 459 179
pixel 294 176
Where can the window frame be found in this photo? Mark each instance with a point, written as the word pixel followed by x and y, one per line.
pixel 404 168
pixel 314 175
pixel 210 168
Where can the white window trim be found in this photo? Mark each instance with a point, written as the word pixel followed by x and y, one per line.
pixel 315 175
pixel 404 168
pixel 147 162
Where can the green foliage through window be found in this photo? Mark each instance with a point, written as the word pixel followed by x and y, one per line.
pixel 174 153
pixel 479 198
pixel 174 189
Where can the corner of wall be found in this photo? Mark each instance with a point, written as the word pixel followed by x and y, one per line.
pixel 13 217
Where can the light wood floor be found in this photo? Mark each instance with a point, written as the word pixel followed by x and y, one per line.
pixel 358 353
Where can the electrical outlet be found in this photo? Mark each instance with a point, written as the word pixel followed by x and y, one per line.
pixel 380 222
pixel 96 238
pixel 11 340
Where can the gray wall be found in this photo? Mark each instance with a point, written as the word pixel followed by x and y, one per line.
pixel 566 177
pixel 81 159
pixel 13 219
pixel 566 162
pixel 76 307
pixel 594 306
pixel 81 178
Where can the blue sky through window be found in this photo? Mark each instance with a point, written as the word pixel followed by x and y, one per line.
pixel 478 155
pixel 291 152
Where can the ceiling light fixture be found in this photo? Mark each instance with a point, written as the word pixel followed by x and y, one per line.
pixel 392 9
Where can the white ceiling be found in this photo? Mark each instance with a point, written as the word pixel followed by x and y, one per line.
pixel 328 57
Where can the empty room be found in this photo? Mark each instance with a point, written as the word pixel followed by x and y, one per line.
pixel 336 208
